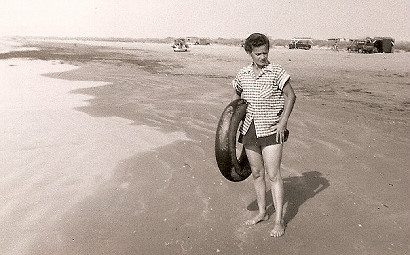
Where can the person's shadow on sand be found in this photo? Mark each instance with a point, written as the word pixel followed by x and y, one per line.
pixel 298 189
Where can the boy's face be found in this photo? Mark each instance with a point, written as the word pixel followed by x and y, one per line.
pixel 260 55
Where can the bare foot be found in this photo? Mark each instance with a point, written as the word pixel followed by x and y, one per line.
pixel 260 217
pixel 278 230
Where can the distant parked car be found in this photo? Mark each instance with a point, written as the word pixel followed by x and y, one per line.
pixel 362 46
pixel 180 45
pixel 296 43
pixel 355 46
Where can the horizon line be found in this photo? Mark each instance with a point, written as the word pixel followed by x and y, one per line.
pixel 173 37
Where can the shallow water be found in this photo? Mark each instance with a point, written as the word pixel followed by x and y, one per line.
pixel 53 156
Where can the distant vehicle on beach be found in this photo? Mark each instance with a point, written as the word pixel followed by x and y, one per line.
pixel 356 45
pixel 371 45
pixel 197 41
pixel 300 43
pixel 180 45
pixel 362 46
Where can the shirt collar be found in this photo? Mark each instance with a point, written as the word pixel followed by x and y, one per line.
pixel 268 68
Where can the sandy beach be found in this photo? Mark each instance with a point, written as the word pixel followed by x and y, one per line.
pixel 108 148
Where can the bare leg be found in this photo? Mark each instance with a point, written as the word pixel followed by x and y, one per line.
pixel 254 155
pixel 272 156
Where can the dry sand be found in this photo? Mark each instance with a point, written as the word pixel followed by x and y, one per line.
pixel 117 158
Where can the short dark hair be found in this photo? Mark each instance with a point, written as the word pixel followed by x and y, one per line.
pixel 255 40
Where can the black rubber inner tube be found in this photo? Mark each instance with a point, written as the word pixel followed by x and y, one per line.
pixel 231 166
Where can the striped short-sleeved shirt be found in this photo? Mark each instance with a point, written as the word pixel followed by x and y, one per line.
pixel 264 96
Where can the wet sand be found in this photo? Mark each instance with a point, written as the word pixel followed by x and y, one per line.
pixel 126 165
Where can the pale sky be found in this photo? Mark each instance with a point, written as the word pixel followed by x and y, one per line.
pixel 279 19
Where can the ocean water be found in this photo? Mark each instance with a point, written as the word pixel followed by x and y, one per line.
pixel 9 44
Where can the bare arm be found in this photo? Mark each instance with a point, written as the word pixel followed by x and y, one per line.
pixel 237 88
pixel 290 99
